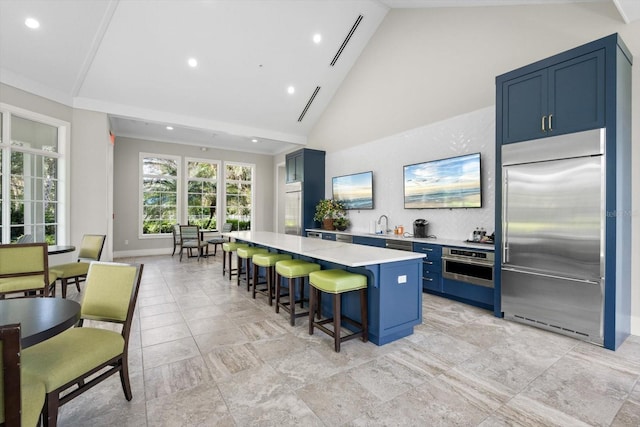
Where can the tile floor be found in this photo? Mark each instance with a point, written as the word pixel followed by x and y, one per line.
pixel 203 353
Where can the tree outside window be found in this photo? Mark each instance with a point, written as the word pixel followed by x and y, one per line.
pixel 239 185
pixel 159 194
pixel 202 193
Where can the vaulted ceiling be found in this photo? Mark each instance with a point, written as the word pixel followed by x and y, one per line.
pixel 260 82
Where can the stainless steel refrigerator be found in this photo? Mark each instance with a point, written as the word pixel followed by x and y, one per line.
pixel 293 209
pixel 553 211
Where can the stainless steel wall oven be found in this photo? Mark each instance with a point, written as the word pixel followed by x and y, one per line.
pixel 475 267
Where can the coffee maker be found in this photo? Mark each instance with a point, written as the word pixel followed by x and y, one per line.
pixel 421 228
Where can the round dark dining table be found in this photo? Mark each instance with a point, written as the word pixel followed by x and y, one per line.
pixel 40 318
pixel 60 249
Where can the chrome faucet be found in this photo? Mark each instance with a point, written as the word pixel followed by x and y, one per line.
pixel 386 223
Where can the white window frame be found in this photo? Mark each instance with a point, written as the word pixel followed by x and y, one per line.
pixel 179 196
pixel 64 141
pixel 253 189
pixel 184 211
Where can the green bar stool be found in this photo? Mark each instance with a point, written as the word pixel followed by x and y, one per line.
pixel 336 283
pixel 292 270
pixel 268 261
pixel 228 249
pixel 244 262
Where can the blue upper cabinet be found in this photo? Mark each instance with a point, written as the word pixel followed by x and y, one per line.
pixel 555 98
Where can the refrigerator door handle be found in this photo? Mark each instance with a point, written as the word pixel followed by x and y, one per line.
pixel 553 276
pixel 505 223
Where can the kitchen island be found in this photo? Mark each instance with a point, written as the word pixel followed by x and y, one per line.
pixel 393 276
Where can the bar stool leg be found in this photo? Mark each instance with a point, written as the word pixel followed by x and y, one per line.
pixel 248 274
pixel 312 307
pixel 240 263
pixel 336 322
pixel 292 301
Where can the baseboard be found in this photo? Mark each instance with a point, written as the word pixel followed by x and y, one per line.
pixel 142 252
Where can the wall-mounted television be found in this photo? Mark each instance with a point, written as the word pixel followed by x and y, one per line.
pixel 355 191
pixel 445 183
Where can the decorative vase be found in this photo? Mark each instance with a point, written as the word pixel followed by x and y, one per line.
pixel 327 224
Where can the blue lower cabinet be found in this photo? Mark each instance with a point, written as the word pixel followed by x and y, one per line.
pixel 480 296
pixel 370 241
pixel 431 281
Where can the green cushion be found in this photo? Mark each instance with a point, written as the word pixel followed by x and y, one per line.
pixel 232 246
pixel 249 251
pixel 73 269
pixel 70 354
pixel 33 394
pixel 91 246
pixel 22 259
pixel 296 268
pixel 269 259
pixel 337 281
pixel 108 291
pixel 17 284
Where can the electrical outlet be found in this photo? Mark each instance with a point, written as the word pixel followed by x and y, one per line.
pixel 126 242
pixel 402 279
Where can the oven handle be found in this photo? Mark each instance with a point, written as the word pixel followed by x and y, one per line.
pixel 468 261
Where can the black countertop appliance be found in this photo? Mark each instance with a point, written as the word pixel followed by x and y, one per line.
pixel 421 228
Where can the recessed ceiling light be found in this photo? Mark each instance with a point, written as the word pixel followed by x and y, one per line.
pixel 169 127
pixel 32 23
pixel 193 62
pixel 254 140
pixel 317 38
pixel 291 90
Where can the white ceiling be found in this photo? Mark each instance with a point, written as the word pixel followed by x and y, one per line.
pixel 129 59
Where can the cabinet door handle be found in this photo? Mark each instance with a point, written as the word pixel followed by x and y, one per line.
pixel 550 126
pixel 542 127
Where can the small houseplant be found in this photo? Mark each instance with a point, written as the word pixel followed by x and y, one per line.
pixel 327 210
pixel 341 223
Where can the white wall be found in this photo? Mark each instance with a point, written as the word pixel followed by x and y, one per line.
pixel 468 133
pixel 91 157
pixel 433 66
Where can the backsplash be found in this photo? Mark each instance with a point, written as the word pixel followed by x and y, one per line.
pixel 468 133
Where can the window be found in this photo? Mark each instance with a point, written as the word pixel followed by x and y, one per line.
pixel 31 183
pixel 159 193
pixel 239 200
pixel 202 193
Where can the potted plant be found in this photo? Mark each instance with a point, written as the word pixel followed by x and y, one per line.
pixel 327 210
pixel 341 223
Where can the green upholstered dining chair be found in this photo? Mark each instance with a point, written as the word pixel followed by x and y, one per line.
pixel 220 239
pixel 90 250
pixel 68 362
pixel 24 269
pixel 21 394
pixel 190 238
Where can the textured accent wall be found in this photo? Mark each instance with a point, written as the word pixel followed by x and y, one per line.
pixel 468 133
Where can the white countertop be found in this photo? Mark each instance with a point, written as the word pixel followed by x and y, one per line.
pixel 435 241
pixel 337 252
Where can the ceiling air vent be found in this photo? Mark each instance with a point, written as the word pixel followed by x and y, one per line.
pixel 346 40
pixel 313 96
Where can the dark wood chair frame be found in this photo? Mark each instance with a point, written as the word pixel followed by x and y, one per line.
pixel 362 328
pixel 218 241
pixel 77 279
pixel 120 364
pixel 44 290
pixel 10 337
